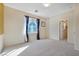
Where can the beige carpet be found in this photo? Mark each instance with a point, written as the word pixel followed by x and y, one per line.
pixel 42 48
pixel 50 48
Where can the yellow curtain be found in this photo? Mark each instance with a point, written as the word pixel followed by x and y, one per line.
pixel 1 18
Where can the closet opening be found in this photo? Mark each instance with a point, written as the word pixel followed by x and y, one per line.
pixel 63 30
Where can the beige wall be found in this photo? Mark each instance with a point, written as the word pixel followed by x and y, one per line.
pixel 54 24
pixel 76 26
pixel 73 25
pixel 69 16
pixel 54 28
pixel 13 25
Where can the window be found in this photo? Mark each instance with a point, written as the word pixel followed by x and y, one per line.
pixel 32 25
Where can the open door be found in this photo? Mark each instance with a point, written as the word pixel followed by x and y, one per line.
pixel 63 26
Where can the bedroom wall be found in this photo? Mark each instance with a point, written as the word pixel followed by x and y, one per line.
pixel 76 25
pixel 53 28
pixel 13 25
pixel 73 26
pixel 54 25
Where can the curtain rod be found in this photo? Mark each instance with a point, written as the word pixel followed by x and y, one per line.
pixel 33 17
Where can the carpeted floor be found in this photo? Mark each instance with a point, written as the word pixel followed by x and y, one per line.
pixel 42 48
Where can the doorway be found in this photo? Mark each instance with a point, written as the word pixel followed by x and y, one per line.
pixel 63 30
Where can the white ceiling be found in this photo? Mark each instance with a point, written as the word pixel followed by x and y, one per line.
pixel 53 9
